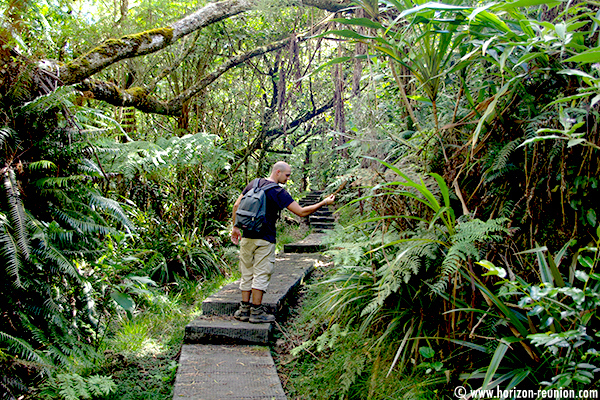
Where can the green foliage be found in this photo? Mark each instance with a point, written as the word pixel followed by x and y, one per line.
pixel 464 246
pixel 561 317
pixel 75 387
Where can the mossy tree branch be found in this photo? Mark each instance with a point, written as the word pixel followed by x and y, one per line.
pixel 141 99
pixel 114 50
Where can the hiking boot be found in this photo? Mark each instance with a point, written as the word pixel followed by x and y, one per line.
pixel 258 315
pixel 242 313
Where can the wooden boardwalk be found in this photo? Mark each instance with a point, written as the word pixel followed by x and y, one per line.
pixel 223 358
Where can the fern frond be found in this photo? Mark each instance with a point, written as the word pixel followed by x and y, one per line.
pixel 42 164
pixel 90 168
pixel 24 349
pixel 17 213
pixel 5 133
pixel 58 97
pixel 81 222
pixel 10 251
pixel 464 246
pixel 59 181
pixel 410 258
pixel 113 208
pixel 500 163
pixel 501 159
pixel 46 250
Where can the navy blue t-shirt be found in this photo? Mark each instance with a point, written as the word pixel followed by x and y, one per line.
pixel 277 199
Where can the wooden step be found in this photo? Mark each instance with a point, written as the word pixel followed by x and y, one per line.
pixel 221 372
pixel 310 244
pixel 226 330
pixel 290 270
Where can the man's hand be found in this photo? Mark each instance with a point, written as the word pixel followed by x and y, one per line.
pixel 235 235
pixel 330 199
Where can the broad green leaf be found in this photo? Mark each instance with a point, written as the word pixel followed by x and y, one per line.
pixel 426 352
pixel 575 72
pixel 420 98
pixel 493 270
pixel 432 6
pixel 347 33
pixel 518 378
pixel 486 44
pixel 443 188
pixel 585 261
pixel 492 20
pixel 508 312
pixel 540 138
pixel 576 25
pixel 527 3
pixel 488 113
pixel 478 10
pixel 590 56
pixel 559 282
pixel 337 60
pixel 123 299
pixel 575 142
pixel 364 22
pixel 582 276
pixel 591 217
pixel 568 99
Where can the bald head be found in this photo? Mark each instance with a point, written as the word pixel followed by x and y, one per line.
pixel 281 172
pixel 281 166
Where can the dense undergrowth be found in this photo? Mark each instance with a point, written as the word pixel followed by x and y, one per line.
pixel 317 360
pixel 138 357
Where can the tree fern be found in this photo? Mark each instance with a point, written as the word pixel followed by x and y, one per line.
pixel 113 208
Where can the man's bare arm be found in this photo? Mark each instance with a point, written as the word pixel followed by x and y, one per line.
pixel 235 231
pixel 305 211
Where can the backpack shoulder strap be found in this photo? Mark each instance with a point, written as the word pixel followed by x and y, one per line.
pixel 269 186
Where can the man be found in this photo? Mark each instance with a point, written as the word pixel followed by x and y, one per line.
pixel 257 250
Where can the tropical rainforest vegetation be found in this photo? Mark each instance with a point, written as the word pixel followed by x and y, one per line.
pixel 464 135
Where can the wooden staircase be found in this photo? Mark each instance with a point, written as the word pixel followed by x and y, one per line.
pixel 322 219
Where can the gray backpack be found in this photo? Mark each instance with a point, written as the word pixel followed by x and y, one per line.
pixel 251 213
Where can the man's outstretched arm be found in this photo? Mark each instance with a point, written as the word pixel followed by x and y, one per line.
pixel 305 211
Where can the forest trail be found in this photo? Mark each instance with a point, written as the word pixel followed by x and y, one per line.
pixel 224 359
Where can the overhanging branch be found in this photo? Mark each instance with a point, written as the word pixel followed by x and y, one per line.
pixel 129 46
pixel 133 97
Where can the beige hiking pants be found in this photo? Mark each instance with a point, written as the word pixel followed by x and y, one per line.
pixel 257 259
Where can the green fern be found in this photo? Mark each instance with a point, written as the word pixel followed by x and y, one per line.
pixel 5 133
pixel 71 386
pixel 9 251
pixel 17 212
pixel 25 351
pixel 41 165
pixel 500 162
pixel 411 256
pixel 464 244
